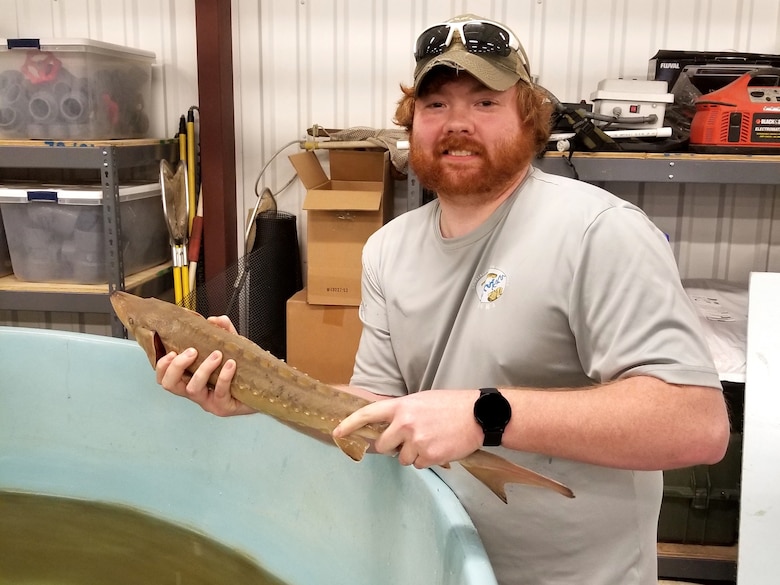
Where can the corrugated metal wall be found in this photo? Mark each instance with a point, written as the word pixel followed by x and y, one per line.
pixel 338 63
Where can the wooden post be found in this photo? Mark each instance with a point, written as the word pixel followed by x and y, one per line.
pixel 217 134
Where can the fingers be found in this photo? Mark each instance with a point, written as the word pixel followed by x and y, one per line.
pixel 390 442
pixel 413 429
pixel 172 374
pixel 222 387
pixel 197 387
pixel 171 368
pixel 407 455
pixel 376 412
pixel 219 401
pixel 162 366
pixel 371 413
pixel 224 322
pixel 409 452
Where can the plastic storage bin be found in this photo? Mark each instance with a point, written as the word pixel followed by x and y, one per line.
pixel 56 234
pixel 73 89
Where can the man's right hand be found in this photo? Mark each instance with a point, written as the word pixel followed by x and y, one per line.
pixel 173 375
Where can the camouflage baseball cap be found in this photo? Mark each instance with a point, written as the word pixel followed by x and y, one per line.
pixel 483 48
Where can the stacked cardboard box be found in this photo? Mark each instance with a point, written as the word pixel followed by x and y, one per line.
pixel 343 210
pixel 322 339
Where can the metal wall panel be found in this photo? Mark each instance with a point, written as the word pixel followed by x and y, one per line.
pixel 716 231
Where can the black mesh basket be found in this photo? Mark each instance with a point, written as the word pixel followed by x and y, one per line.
pixel 254 292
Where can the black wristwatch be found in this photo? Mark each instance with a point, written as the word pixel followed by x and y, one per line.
pixel 492 412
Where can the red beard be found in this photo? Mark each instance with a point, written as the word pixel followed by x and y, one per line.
pixel 494 172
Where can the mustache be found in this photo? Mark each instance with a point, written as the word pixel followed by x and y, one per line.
pixel 450 143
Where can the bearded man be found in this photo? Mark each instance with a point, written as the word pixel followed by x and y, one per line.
pixel 555 292
pixel 536 316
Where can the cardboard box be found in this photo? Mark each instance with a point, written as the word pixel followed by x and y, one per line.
pixel 322 340
pixel 342 212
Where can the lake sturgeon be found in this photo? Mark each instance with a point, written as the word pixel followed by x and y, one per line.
pixel 272 387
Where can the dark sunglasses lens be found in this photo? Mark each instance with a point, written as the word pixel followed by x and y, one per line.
pixel 431 42
pixel 483 37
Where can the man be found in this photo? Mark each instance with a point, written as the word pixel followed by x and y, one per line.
pixel 560 301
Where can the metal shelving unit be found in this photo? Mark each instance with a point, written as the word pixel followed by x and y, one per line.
pixel 106 158
pixel 677 167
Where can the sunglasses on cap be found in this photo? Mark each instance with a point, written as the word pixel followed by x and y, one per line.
pixel 478 36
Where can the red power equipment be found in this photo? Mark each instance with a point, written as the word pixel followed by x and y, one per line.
pixel 742 117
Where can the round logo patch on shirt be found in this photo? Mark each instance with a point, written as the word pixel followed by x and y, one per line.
pixel 490 286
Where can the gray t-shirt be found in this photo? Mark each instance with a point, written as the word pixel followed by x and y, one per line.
pixel 565 285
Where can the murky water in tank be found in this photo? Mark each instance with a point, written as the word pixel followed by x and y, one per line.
pixel 47 540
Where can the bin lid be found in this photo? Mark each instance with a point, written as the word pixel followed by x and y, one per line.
pixel 75 45
pixel 73 194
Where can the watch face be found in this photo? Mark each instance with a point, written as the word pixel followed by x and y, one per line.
pixel 492 411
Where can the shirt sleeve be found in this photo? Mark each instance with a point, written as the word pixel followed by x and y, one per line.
pixel 376 368
pixel 631 314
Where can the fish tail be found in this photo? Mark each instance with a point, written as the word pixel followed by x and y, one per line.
pixel 495 472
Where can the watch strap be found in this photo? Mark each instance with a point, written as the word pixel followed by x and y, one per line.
pixel 493 434
pixel 493 438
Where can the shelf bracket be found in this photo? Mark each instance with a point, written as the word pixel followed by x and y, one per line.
pixel 112 229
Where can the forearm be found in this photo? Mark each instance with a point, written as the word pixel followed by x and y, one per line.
pixel 362 392
pixel 638 423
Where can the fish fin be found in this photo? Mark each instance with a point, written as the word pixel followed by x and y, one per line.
pixel 159 349
pixel 353 446
pixel 150 342
pixel 495 472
